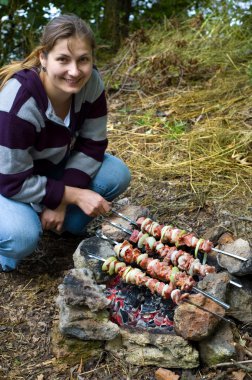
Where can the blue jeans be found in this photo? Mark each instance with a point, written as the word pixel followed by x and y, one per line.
pixel 20 226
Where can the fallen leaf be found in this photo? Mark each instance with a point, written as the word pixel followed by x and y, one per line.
pixel 239 375
pixel 165 374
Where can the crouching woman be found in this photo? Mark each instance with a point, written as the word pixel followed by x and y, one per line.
pixel 54 172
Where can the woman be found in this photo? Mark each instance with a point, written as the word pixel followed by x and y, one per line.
pixel 54 172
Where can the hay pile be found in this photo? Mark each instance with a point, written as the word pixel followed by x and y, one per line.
pixel 180 101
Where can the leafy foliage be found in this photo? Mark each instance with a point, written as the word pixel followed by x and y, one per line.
pixel 21 21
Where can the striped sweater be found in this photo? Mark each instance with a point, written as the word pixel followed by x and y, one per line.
pixel 34 141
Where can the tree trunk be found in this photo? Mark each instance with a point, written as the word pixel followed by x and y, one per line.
pixel 115 25
pixel 110 24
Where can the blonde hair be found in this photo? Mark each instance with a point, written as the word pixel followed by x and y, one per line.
pixel 61 27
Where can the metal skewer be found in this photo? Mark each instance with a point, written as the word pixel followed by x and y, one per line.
pixel 124 217
pixel 104 237
pixel 119 227
pixel 230 254
pixel 216 300
pixel 187 301
pixel 235 284
pixel 96 257
pixel 130 232
pixel 213 249
pixel 209 311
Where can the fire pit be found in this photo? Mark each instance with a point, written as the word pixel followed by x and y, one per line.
pixel 134 322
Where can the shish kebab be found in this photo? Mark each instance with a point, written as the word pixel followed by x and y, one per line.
pixel 157 268
pixel 182 259
pixel 175 235
pixel 137 277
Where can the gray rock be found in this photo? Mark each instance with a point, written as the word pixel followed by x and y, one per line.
pixel 240 300
pixel 81 323
pixel 234 266
pixel 163 350
pixel 79 288
pixel 132 212
pixel 95 246
pixel 215 284
pixel 218 348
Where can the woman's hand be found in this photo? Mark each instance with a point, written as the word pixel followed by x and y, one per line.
pixel 53 219
pixel 90 202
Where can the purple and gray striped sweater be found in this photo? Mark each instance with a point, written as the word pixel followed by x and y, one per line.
pixel 34 141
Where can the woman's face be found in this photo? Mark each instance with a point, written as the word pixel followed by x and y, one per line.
pixel 68 66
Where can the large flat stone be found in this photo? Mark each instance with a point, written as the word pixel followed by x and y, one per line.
pixel 144 348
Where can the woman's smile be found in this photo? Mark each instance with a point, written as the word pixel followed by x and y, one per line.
pixel 68 66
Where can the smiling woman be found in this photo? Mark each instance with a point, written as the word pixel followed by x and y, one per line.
pixel 66 69
pixel 54 172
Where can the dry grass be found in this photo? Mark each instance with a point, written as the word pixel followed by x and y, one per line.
pixel 181 113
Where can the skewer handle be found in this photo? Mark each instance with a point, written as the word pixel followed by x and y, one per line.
pixel 230 254
pixel 96 257
pixel 119 227
pixel 235 284
pixel 216 300
pixel 124 217
pixel 104 237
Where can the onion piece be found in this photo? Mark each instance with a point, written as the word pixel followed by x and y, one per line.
pixel 159 246
pixel 174 235
pixel 146 221
pixel 111 268
pixel 163 232
pixel 165 288
pixel 105 265
pixel 119 265
pixel 197 247
pixel 174 271
pixel 124 249
pixel 125 272
pixel 204 258
pixel 117 248
pixel 141 257
pixel 141 240
pixel 153 226
pixel 173 256
pixel 150 241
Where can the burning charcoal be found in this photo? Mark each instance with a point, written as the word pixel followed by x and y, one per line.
pixel 148 308
pixel 166 328
pixel 151 324
pixel 125 316
pixel 134 302
pixel 159 319
pixel 169 314
pixel 141 324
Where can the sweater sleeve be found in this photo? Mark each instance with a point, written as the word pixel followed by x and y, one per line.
pixel 17 180
pixel 88 152
pixel 17 138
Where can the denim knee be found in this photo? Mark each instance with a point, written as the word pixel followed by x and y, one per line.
pixel 20 242
pixel 112 179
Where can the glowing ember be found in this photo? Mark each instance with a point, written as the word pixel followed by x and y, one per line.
pixel 136 307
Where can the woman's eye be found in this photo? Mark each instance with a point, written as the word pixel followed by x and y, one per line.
pixel 84 59
pixel 62 59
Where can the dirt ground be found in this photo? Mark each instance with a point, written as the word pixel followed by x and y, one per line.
pixel 28 310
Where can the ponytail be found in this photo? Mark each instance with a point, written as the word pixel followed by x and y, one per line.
pixel 32 61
